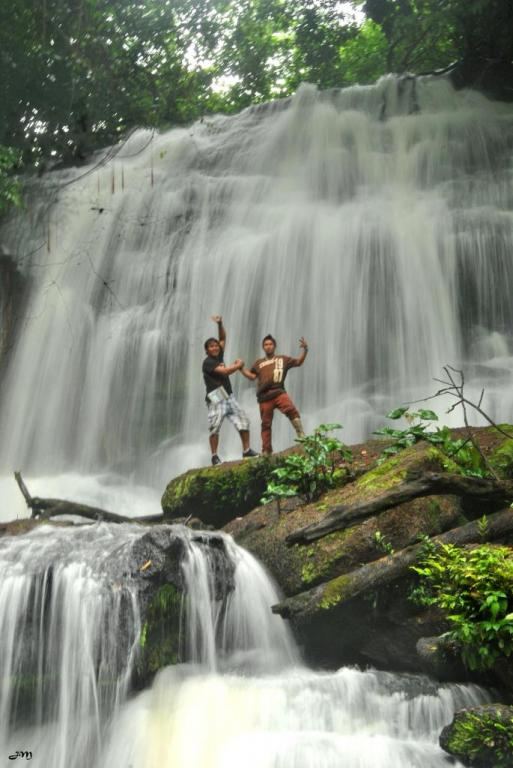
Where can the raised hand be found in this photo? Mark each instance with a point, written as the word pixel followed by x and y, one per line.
pixel 217 319
pixel 303 343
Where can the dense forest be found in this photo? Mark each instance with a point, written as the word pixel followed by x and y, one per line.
pixel 79 74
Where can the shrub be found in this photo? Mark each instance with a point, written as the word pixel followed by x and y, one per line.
pixel 475 589
pixel 311 473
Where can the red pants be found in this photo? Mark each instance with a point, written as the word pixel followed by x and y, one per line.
pixel 284 404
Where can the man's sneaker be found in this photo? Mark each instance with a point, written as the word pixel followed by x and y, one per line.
pixel 216 459
pixel 249 454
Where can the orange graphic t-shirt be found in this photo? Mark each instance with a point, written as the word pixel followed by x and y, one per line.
pixel 271 375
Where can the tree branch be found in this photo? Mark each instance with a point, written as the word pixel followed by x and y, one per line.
pixel 417 486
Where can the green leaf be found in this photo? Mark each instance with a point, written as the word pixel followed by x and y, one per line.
pixel 397 412
pixel 427 415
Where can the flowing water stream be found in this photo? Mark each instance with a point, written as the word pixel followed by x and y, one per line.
pixel 71 623
pixel 377 221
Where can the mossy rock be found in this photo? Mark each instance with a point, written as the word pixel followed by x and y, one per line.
pixel 159 641
pixel 216 495
pixel 481 736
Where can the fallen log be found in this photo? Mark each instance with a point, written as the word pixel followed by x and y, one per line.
pixel 379 573
pixel 47 508
pixel 414 487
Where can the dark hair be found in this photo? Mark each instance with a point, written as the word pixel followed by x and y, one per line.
pixel 269 338
pixel 209 341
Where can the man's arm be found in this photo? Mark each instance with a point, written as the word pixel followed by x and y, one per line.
pixel 298 361
pixel 248 374
pixel 220 330
pixel 227 370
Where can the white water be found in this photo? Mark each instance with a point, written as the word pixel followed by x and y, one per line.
pixel 70 626
pixel 298 719
pixel 381 233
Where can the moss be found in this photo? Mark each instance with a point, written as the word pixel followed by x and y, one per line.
pixel 334 592
pixel 482 737
pixel 322 557
pixel 439 459
pixel 160 634
pixel 383 477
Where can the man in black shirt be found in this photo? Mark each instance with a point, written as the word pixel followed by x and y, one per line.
pixel 221 402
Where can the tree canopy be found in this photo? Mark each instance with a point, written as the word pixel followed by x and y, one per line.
pixel 77 74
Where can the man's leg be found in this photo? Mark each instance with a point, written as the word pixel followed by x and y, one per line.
pixel 266 414
pixel 286 406
pixel 240 421
pixel 214 443
pixel 216 414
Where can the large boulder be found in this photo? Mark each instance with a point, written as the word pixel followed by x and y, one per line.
pixel 481 736
pixel 216 495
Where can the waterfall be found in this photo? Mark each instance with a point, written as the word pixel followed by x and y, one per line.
pixel 376 221
pixel 71 623
pixel 299 719
pixel 71 628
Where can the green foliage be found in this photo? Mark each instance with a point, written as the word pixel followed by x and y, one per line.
pixel 475 588
pixel 159 641
pixel 313 472
pixel 476 737
pixel 78 75
pixel 482 527
pixel 462 452
pixel 382 543
pixel 10 186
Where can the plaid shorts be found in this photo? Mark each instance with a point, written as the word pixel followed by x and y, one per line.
pixel 230 409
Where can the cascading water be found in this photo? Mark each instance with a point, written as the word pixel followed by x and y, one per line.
pixel 377 221
pixel 71 627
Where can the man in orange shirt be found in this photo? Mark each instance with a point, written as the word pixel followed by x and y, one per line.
pixel 271 371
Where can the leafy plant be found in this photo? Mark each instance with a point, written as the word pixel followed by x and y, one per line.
pixel 475 588
pixel 462 451
pixel 382 543
pixel 312 472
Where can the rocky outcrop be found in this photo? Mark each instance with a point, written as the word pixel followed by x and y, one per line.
pixel 481 736
pixel 346 601
pixel 155 565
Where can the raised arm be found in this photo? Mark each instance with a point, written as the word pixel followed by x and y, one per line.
pixel 298 361
pixel 220 330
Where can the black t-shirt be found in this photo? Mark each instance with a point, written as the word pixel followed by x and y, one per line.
pixel 215 380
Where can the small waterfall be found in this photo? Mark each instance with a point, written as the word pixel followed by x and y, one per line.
pixel 296 719
pixel 69 627
pixel 377 221
pixel 239 631
pixel 70 617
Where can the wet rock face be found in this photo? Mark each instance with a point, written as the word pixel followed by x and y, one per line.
pixel 481 736
pixel 12 296
pixel 156 566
